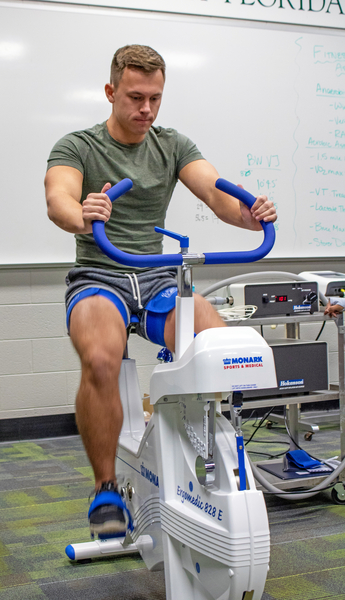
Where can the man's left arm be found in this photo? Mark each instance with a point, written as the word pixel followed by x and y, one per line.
pixel 200 176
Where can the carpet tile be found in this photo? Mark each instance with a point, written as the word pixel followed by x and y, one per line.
pixel 44 489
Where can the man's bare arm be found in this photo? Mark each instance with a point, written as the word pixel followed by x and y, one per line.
pixel 200 177
pixel 334 308
pixel 63 194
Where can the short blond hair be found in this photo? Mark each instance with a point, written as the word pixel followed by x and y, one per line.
pixel 135 57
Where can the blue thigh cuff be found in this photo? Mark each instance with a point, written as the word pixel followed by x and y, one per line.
pixel 157 312
pixel 93 291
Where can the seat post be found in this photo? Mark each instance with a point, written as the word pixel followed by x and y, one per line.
pixel 131 328
pixel 184 328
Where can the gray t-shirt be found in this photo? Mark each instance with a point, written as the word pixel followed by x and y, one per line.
pixel 153 165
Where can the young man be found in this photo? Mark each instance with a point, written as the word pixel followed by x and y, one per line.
pixel 101 294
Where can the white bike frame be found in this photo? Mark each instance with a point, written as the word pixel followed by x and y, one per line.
pixel 185 477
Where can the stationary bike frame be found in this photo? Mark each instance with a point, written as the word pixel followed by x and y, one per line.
pixel 185 477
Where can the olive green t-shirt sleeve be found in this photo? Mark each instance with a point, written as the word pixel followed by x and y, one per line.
pixel 187 152
pixel 69 152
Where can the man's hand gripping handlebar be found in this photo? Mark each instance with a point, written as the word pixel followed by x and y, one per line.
pixel 161 260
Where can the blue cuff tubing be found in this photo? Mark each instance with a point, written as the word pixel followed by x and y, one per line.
pixel 156 309
pixel 155 325
pixel 163 302
pixel 157 312
pixel 93 291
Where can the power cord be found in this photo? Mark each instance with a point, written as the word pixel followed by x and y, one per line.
pixel 292 439
pixel 266 442
pixel 292 492
pixel 321 330
pixel 263 419
pixel 267 454
pixel 299 495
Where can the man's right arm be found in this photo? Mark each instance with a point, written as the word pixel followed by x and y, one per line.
pixel 63 186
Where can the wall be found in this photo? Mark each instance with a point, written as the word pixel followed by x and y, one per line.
pixel 282 107
pixel 39 369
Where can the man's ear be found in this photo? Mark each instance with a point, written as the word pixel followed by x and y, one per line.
pixel 109 89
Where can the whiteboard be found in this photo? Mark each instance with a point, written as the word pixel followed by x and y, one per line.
pixel 264 103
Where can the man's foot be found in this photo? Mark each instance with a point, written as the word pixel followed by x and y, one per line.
pixel 108 514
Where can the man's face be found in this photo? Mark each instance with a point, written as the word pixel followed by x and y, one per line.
pixel 136 102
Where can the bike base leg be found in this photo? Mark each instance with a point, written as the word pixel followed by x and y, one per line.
pixel 100 548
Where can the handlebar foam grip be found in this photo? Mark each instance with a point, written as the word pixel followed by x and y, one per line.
pixel 221 258
pixel 119 189
pixel 233 190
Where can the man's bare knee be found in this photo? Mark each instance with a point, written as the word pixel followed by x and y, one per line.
pixel 205 316
pixel 101 366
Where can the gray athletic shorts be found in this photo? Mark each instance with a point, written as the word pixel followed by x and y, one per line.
pixel 144 299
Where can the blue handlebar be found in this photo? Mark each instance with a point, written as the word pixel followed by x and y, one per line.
pixel 119 189
pixel 234 190
pixel 161 260
pixel 123 258
pixel 221 258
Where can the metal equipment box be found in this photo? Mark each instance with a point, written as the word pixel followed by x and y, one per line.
pixel 279 298
pixel 330 283
pixel 301 367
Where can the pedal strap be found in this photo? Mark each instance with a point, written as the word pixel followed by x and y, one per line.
pixel 114 498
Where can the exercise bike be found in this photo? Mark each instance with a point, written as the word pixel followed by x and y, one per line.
pixel 186 480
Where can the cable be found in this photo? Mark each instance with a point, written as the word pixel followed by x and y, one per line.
pixel 292 439
pixel 294 492
pixel 321 330
pixel 270 442
pixel 297 495
pixel 237 313
pixel 265 442
pixel 250 416
pixel 261 422
pixel 266 454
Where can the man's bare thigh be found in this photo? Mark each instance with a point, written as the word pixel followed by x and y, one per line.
pixel 96 323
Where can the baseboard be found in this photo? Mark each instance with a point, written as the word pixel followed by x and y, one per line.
pixel 30 428
pixel 49 426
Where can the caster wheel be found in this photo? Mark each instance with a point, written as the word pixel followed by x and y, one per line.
pixel 269 425
pixel 308 436
pixel 338 494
